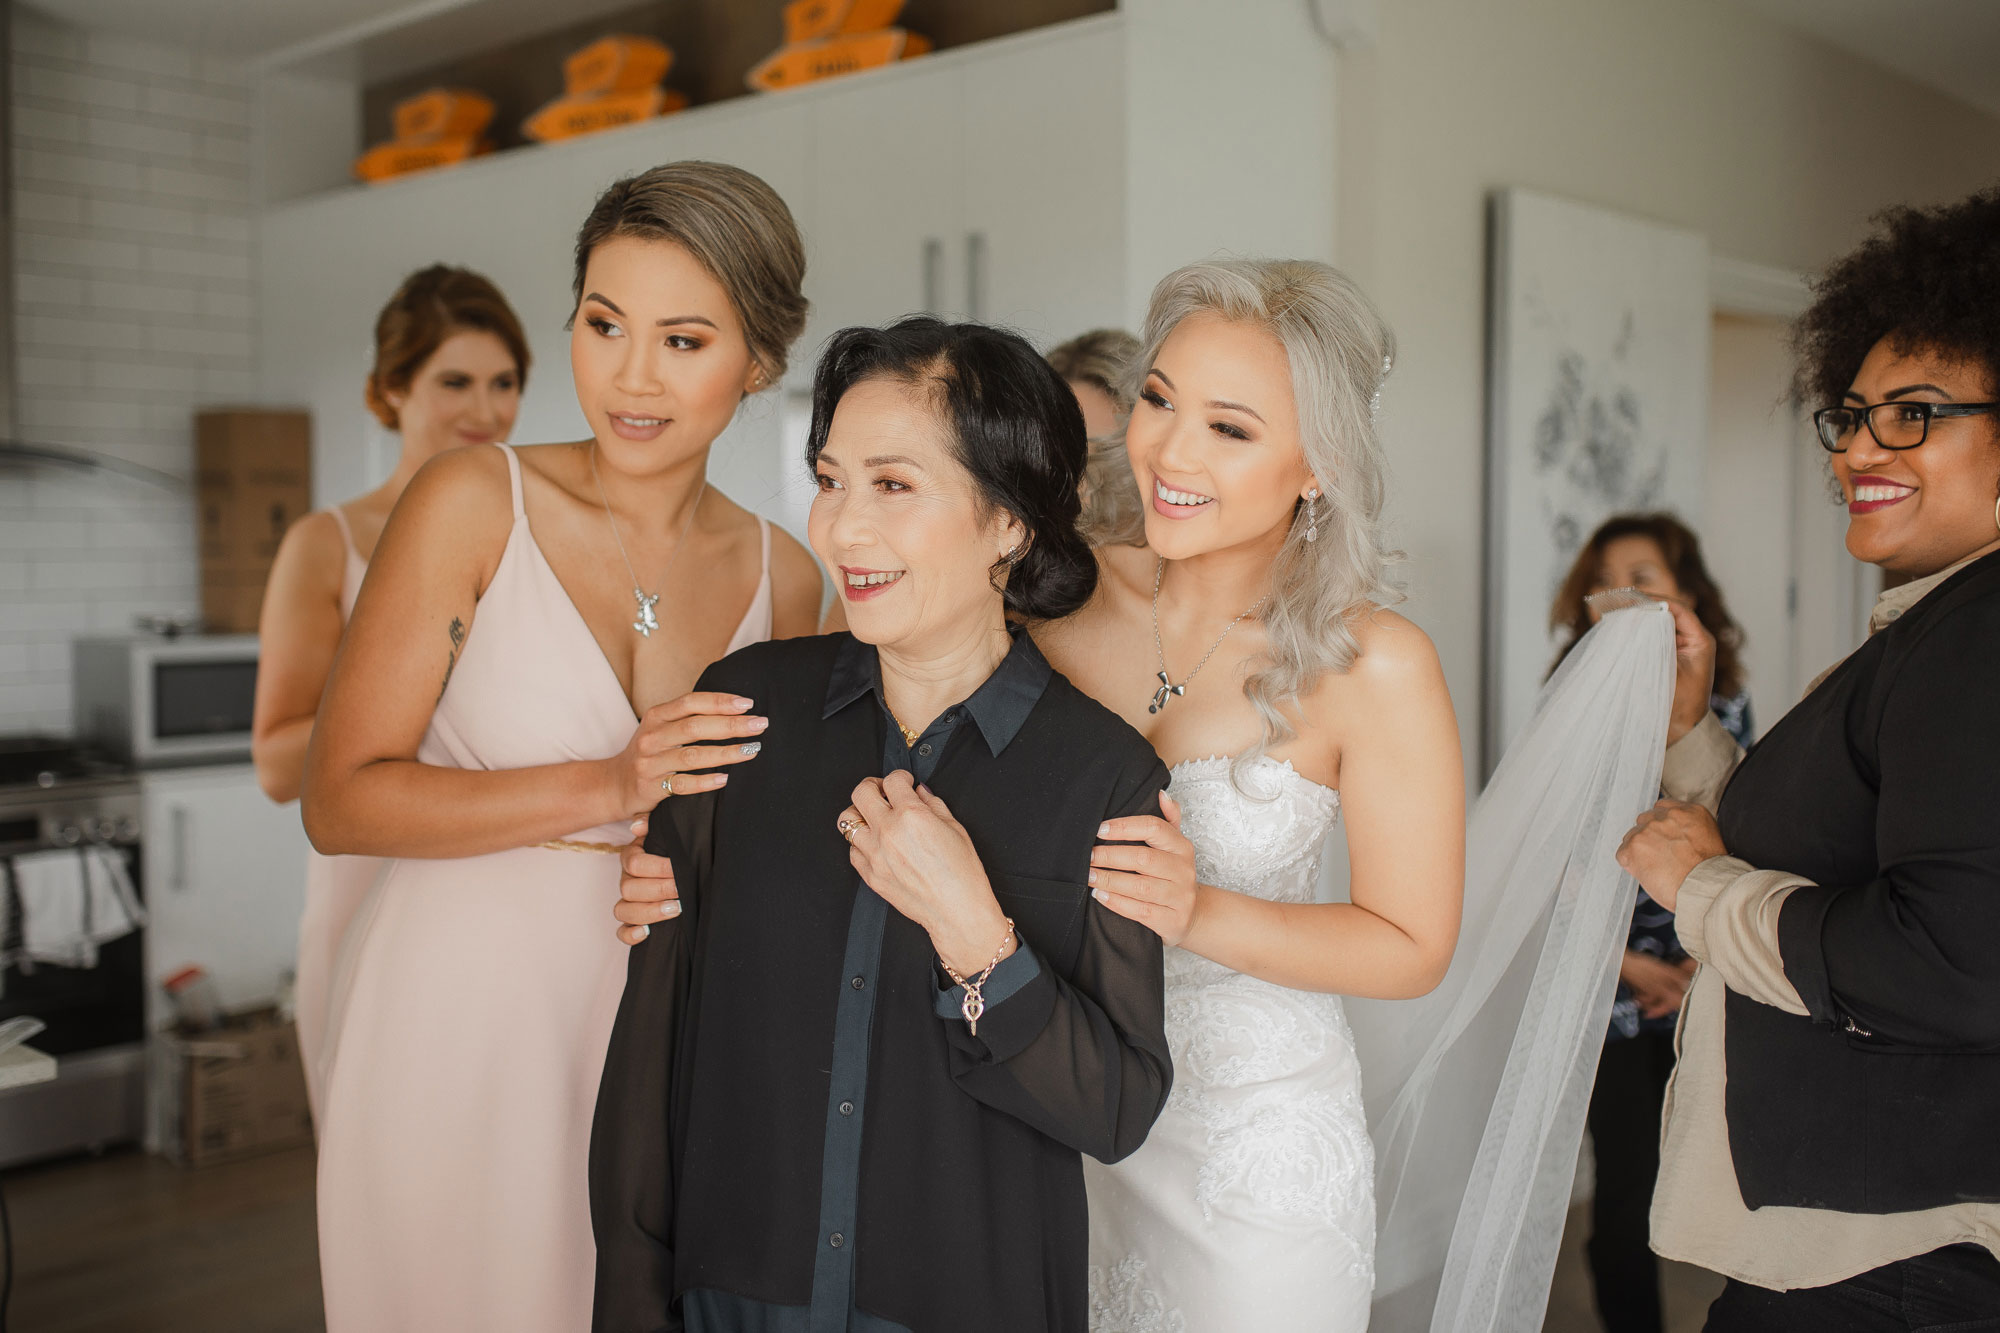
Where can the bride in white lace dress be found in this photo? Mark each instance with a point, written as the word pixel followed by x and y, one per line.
pixel 1247 639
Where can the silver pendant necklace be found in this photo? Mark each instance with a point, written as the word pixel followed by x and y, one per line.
pixel 647 621
pixel 1167 689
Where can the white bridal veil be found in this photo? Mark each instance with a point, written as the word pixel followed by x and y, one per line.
pixel 1477 1092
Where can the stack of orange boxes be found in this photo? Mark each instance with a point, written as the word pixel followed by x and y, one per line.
pixel 433 129
pixel 828 38
pixel 613 81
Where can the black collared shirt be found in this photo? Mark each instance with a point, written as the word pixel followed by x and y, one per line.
pixel 796 1130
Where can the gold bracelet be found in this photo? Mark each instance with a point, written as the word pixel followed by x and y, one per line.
pixel 974 1003
pixel 566 845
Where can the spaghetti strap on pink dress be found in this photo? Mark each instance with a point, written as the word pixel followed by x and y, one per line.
pixel 473 1005
pixel 335 886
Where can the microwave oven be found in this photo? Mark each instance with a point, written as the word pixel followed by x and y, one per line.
pixel 153 699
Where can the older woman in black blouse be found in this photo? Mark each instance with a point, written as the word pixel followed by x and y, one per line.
pixel 1830 1133
pixel 849 1084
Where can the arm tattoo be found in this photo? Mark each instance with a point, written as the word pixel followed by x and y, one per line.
pixel 457 642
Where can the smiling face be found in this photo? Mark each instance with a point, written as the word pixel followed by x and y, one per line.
pixel 1635 562
pixel 467 392
pixel 900 522
pixel 1917 511
pixel 1214 439
pixel 658 354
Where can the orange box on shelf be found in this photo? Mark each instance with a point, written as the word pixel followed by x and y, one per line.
pixel 386 161
pixel 617 65
pixel 571 117
pixel 442 113
pixel 811 20
pixel 809 62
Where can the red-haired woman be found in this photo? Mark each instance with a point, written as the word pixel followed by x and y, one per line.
pixel 1657 555
pixel 450 364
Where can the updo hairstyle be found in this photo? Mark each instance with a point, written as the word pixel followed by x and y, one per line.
pixel 734 225
pixel 1014 425
pixel 433 304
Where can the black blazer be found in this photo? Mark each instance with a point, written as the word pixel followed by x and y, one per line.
pixel 713 1114
pixel 1883 787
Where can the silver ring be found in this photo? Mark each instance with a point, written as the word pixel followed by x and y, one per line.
pixel 667 784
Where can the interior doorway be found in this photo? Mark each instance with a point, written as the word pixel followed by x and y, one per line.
pixel 1773 529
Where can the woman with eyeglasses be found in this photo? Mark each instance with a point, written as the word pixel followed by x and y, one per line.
pixel 1829 1139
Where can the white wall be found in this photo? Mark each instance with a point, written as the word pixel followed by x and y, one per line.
pixel 133 307
pixel 1229 115
pixel 1697 113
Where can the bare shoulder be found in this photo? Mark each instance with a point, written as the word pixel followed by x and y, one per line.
pixel 1392 650
pixel 461 500
pixel 1396 669
pixel 312 558
pixel 796 585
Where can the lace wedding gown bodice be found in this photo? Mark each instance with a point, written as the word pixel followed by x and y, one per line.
pixel 1251 1204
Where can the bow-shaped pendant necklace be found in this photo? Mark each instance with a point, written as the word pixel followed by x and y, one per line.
pixel 1167 689
pixel 647 621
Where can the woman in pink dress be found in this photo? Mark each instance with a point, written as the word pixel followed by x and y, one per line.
pixel 450 364
pixel 512 691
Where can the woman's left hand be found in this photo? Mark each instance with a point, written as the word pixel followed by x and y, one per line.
pixel 1668 842
pixel 1152 883
pixel 912 852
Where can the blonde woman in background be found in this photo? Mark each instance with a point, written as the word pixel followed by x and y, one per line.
pixel 514 688
pixel 1098 368
pixel 450 364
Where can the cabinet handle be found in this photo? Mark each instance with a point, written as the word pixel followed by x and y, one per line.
pixel 933 275
pixel 975 276
pixel 177 879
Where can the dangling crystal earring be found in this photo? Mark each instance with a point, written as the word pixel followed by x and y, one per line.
pixel 1312 516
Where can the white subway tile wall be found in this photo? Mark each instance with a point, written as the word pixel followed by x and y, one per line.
pixel 133 307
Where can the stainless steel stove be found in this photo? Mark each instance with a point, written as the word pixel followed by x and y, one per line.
pixel 55 793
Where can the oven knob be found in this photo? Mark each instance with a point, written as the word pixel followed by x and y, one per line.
pixel 69 835
pixel 128 829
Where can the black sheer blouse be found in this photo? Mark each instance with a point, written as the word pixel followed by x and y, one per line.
pixel 795 1129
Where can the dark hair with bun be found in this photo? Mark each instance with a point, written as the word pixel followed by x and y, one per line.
pixel 433 304
pixel 1015 427
pixel 1928 280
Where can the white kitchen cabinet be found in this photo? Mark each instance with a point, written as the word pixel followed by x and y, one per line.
pixel 225 882
pixel 1044 191
pixel 1042 181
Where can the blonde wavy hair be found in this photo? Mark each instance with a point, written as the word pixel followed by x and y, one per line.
pixel 1340 350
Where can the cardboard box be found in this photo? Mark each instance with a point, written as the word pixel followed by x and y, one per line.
pixel 234 1092
pixel 253 480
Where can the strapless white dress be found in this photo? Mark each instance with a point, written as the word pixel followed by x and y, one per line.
pixel 1251 1205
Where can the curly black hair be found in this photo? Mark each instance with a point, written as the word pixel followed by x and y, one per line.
pixel 1928 279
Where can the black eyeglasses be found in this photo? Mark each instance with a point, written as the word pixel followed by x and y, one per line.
pixel 1894 425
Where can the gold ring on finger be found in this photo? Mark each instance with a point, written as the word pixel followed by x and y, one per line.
pixel 849 827
pixel 667 784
